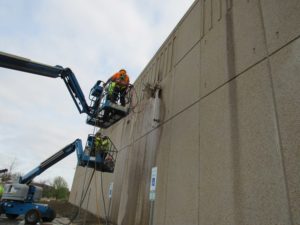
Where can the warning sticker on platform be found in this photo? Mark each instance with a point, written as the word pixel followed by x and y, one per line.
pixel 153 183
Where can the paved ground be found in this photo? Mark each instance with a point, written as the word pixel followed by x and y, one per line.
pixel 5 221
pixel 58 221
pixel 64 211
pixel 20 221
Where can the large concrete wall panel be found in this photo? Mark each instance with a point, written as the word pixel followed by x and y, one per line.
pixel 182 183
pixel 82 188
pixel 97 200
pixel 152 142
pixel 77 186
pixel 247 28
pixel 162 162
pixel 214 52
pixel 282 22
pixel 187 81
pixel 186 34
pixel 216 200
pixel 285 66
pixel 239 154
pixel 135 173
pixel 259 178
pixel 119 179
pixel 130 187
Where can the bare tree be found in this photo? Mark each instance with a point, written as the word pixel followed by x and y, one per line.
pixel 11 174
pixel 61 188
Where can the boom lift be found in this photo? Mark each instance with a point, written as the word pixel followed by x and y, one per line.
pixel 100 105
pixel 20 198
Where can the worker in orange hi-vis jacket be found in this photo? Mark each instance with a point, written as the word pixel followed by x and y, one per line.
pixel 118 84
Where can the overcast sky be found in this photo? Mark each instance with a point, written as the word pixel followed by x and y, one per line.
pixel 94 38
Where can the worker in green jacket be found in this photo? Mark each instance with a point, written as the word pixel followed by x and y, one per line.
pixel 102 145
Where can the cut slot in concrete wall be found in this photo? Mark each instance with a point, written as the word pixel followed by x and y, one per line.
pixel 227 145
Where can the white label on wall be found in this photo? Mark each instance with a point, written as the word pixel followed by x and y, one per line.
pixel 111 185
pixel 153 183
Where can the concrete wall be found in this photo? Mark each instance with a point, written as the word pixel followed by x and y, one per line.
pixel 227 147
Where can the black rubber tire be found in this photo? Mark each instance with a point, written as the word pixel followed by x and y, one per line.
pixel 50 215
pixel 1 210
pixel 11 216
pixel 32 217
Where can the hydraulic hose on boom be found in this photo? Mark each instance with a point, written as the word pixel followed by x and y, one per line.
pixel 26 65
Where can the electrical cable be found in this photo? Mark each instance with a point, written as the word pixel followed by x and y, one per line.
pixel 82 195
pixel 102 191
pixel 104 206
pixel 81 201
pixel 137 101
pixel 80 205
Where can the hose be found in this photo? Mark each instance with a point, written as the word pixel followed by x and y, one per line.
pixel 97 200
pixel 104 206
pixel 82 195
pixel 81 201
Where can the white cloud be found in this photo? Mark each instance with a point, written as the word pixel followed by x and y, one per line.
pixel 94 38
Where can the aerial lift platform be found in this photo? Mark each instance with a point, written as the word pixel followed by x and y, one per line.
pixel 101 112
pixel 20 198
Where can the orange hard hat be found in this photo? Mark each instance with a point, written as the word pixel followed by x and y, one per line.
pixel 122 71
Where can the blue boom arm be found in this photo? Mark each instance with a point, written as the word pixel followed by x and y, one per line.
pixel 26 65
pixel 76 145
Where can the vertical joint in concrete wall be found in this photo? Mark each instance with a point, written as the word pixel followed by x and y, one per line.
pixel 202 23
pixel 211 15
pixel 220 10
pixel 230 44
pixel 238 217
pixel 172 54
pixel 229 4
